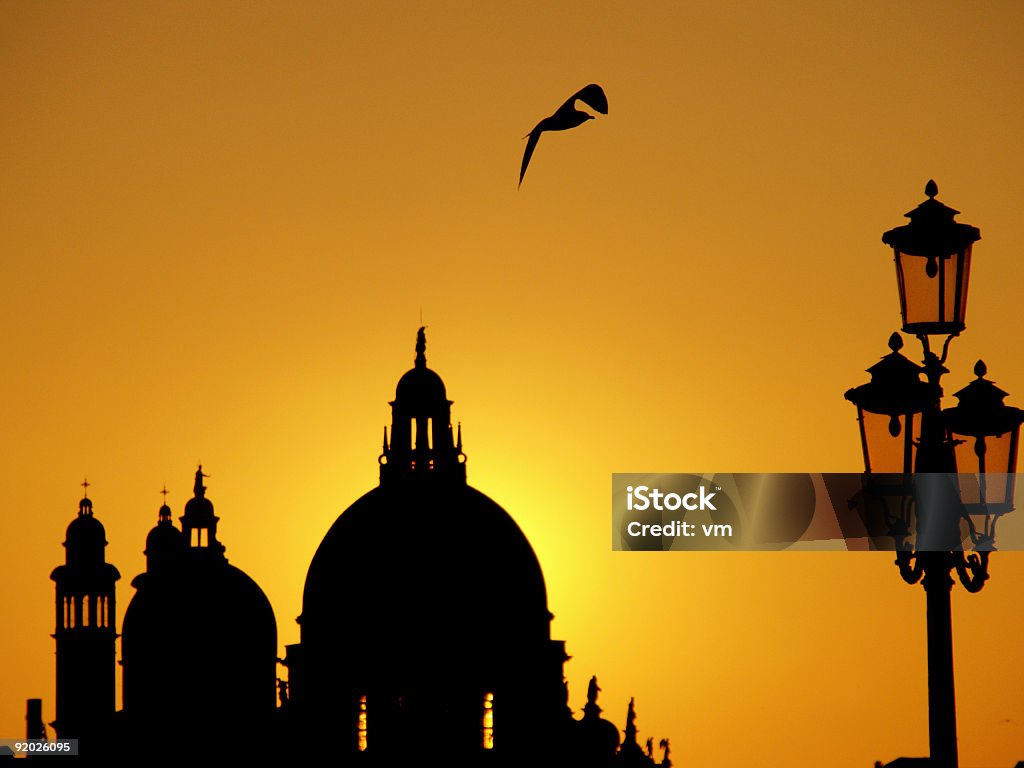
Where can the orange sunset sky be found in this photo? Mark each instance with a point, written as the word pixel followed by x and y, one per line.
pixel 219 223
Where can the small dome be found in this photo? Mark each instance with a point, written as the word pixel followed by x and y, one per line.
pixel 199 507
pixel 86 529
pixel 598 738
pixel 164 542
pixel 86 538
pixel 420 388
pixel 162 535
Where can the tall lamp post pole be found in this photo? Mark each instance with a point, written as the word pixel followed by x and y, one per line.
pixel 941 478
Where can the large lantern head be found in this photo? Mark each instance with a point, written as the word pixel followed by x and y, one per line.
pixel 933 260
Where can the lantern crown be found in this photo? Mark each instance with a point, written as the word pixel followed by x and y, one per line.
pixel 895 385
pixel 932 230
pixel 980 410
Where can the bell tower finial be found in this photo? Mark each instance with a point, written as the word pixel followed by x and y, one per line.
pixel 421 347
pixel 164 515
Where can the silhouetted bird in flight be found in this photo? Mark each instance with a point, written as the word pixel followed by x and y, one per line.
pixel 565 117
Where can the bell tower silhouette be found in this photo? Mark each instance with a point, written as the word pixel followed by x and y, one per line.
pixel 85 628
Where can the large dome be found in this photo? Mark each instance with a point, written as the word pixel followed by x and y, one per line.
pixel 424 568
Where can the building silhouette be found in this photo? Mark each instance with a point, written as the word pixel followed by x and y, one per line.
pixel 425 631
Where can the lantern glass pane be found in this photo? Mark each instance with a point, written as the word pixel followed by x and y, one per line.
pixel 933 299
pixel 965 275
pixel 889 453
pixel 996 487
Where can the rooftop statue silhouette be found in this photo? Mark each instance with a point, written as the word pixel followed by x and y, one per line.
pixel 565 117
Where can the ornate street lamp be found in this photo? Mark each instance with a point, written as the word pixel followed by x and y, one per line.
pixel 935 473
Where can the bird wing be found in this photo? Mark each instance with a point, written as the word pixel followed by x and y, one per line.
pixel 531 144
pixel 593 96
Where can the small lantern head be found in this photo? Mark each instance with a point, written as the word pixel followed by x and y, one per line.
pixel 933 260
pixel 888 409
pixel 985 431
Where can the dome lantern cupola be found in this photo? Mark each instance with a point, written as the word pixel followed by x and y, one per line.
pixel 422 444
pixel 86 538
pixel 199 524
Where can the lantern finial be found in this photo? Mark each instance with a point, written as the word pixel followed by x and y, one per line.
pixel 895 342
pixel 980 369
pixel 931 188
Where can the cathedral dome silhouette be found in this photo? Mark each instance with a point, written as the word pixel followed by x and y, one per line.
pixel 446 561
pixel 425 609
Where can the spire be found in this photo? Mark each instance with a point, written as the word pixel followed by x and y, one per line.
pixel 384 447
pixel 85 505
pixel 164 515
pixel 458 440
pixel 421 347
pixel 631 724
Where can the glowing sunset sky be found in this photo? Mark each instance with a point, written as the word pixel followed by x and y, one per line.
pixel 219 223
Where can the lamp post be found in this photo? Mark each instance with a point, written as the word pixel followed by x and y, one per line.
pixel 941 477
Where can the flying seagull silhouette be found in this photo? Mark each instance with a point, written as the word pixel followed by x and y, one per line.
pixel 564 118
